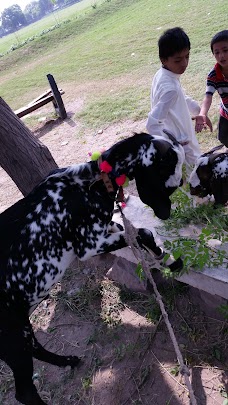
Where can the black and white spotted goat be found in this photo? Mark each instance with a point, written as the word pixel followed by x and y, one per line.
pixel 69 215
pixel 210 176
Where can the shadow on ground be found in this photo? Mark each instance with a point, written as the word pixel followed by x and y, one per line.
pixel 53 123
pixel 127 355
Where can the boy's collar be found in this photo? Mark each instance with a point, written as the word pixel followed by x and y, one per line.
pixel 170 72
pixel 219 73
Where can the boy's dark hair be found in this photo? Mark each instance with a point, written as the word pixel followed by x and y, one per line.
pixel 220 36
pixel 173 41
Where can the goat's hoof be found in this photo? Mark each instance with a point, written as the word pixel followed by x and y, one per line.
pixel 72 361
pixel 30 400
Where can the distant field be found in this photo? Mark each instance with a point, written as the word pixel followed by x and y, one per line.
pixel 108 54
pixel 57 17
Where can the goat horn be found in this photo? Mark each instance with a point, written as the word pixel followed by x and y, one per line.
pixel 213 150
pixel 171 137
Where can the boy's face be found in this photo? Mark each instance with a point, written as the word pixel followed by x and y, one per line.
pixel 220 51
pixel 178 62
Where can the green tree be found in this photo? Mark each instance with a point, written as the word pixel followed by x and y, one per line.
pixel 13 18
pixel 2 31
pixel 32 12
pixel 45 6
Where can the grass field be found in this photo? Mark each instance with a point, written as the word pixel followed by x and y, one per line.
pixel 109 53
pixel 77 10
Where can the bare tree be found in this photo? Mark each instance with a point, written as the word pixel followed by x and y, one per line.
pixel 26 160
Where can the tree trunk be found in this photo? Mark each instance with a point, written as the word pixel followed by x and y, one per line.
pixel 26 160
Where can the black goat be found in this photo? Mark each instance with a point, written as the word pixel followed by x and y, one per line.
pixel 210 176
pixel 69 215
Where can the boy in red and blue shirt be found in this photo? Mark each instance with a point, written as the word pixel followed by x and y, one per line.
pixel 217 80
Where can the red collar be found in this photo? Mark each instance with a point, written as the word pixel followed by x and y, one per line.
pixel 107 182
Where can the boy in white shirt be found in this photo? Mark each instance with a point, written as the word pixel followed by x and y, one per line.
pixel 171 109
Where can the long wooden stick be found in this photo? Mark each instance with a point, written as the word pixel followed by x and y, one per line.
pixel 130 235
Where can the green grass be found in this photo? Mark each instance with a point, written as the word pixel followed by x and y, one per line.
pixel 57 17
pixel 114 108
pixel 108 55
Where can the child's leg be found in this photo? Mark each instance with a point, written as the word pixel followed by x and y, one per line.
pixel 223 131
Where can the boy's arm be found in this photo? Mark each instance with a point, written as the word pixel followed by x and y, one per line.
pixel 158 113
pixel 202 119
pixel 206 104
pixel 193 106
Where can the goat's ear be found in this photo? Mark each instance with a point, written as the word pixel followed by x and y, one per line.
pixel 167 162
pixel 171 137
pixel 204 172
pixel 218 147
pixel 219 186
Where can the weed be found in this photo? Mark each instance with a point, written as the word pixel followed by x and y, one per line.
pixel 92 338
pixel 217 353
pixel 211 224
pixel 224 310
pixel 88 378
pixel 139 271
pixel 175 371
pixel 7 380
pixel 86 382
pixel 154 313
pixel 144 375
pixel 111 304
pixel 83 302
pixel 184 213
pixel 124 349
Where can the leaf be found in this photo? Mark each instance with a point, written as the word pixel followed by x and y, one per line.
pixel 177 253
pixel 175 371
pixel 139 271
pixel 206 231
pixel 217 354
pixel 166 257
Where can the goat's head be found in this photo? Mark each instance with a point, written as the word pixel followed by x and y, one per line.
pixel 200 178
pixel 210 176
pixel 156 166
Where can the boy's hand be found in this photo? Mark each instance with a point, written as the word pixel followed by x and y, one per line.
pixel 202 121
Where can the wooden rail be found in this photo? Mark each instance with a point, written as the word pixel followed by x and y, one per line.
pixel 45 98
pixel 53 95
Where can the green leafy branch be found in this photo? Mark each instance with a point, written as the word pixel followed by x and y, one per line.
pixel 205 249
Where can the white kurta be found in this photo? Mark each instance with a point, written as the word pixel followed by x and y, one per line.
pixel 171 109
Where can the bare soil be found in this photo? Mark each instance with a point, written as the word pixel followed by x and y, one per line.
pixel 127 355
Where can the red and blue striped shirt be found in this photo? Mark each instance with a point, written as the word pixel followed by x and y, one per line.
pixel 217 81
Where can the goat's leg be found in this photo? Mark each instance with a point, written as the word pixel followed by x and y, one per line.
pixel 145 238
pixel 116 240
pixel 40 353
pixel 115 227
pixel 26 392
pixel 15 351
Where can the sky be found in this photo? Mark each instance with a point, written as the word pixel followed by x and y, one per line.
pixel 7 3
